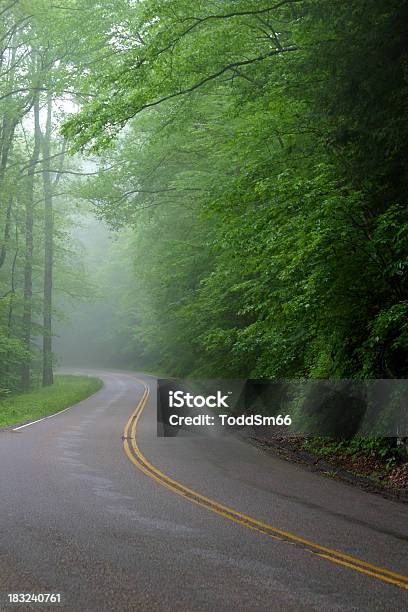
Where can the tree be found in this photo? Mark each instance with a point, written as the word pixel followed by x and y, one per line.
pixel 29 247
pixel 48 250
pixel 299 213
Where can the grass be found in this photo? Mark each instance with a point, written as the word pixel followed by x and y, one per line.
pixel 66 391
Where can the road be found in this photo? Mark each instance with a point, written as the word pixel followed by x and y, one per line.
pixel 149 523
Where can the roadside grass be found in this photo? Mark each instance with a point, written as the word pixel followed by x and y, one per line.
pixel 66 391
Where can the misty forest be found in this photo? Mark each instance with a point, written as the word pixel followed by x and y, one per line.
pixel 203 189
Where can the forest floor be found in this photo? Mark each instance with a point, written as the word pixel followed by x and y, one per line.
pixel 66 391
pixel 383 475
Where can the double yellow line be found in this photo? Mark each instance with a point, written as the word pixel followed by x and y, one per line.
pixel 142 463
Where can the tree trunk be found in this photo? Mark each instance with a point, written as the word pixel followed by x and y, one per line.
pixel 29 247
pixel 11 306
pixel 48 375
pixel 7 227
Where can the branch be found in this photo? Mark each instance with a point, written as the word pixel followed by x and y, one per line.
pixel 75 172
pixel 66 8
pixel 211 77
pixel 239 13
pixel 200 20
pixel 55 195
pixel 10 6
pixel 40 161
pixel 133 191
pixel 14 28
pixel 31 89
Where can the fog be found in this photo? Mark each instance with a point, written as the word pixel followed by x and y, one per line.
pixel 91 330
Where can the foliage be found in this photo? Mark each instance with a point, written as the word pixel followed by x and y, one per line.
pixel 384 449
pixel 36 200
pixel 264 175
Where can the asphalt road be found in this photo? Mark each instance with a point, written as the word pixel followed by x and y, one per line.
pixel 151 523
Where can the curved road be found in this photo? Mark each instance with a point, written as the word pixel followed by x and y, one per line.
pixel 149 523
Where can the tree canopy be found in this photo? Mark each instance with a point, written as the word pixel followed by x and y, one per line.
pixel 260 155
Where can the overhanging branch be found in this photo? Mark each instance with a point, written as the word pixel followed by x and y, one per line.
pixel 211 77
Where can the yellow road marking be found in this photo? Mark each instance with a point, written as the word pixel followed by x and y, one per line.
pixel 364 571
pixel 135 455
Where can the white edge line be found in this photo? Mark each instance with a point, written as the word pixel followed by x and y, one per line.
pixel 28 424
pixel 50 416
